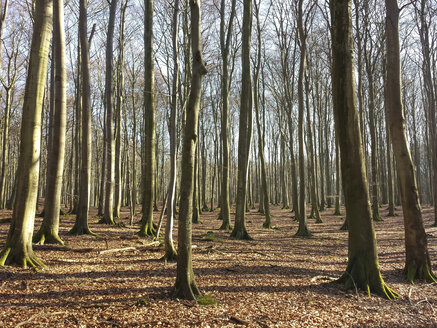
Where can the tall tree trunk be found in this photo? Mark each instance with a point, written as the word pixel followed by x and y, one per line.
pixel 363 268
pixel 185 286
pixel 108 214
pixel 418 264
pixel 49 230
pixel 18 247
pixel 81 225
pixel 149 168
pixel 170 252
pixel 244 136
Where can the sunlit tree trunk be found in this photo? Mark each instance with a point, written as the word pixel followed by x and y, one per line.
pixel 48 232
pixel 18 247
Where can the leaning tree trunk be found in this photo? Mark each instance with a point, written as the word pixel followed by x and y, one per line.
pixel 185 286
pixel 147 226
pixel 244 136
pixel 108 214
pixel 363 269
pixel 49 229
pixel 18 247
pixel 418 263
pixel 81 225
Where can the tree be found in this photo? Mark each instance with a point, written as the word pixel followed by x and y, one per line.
pixel 170 252
pixel 363 269
pixel 18 247
pixel 108 215
pixel 81 225
pixel 48 232
pixel 225 40
pixel 418 263
pixel 245 127
pixel 147 226
pixel 185 286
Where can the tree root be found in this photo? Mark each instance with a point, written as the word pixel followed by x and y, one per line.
pixel 170 255
pixel 186 291
pixel 8 256
pixel 147 230
pixel 358 275
pixel 423 272
pixel 345 226
pixel 267 224
pixel 226 226
pixel 337 212
pixel 78 230
pixel 319 220
pixel 377 218
pixel 104 220
pixel 47 237
pixel 241 234
pixel 303 232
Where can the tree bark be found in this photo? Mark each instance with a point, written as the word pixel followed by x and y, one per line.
pixel 363 268
pixel 18 247
pixel 418 264
pixel 185 286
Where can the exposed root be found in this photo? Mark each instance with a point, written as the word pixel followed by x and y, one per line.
pixel 377 218
pixel 360 276
pixel 170 255
pixel 105 220
pixel 8 256
pixel 147 230
pixel 186 291
pixel 78 230
pixel 423 272
pixel 43 236
pixel 337 212
pixel 267 224
pixel 319 220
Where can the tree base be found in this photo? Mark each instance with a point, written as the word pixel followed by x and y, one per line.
pixel 46 237
pixel 220 216
pixel 240 234
pixel 78 230
pixel 423 272
pixel 337 212
pixel 358 276
pixel 225 226
pixel 186 291
pixel 20 258
pixel 170 255
pixel 345 226
pixel 377 218
pixel 286 207
pixel 319 220
pixel 303 232
pixel 147 230
pixel 267 225
pixel 108 221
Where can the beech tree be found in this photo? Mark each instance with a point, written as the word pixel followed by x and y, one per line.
pixel 18 247
pixel 418 263
pixel 185 286
pixel 48 232
pixel 363 268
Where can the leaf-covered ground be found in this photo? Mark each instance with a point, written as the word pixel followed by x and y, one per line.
pixel 275 280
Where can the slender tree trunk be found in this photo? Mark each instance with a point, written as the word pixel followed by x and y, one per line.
pixel 81 225
pixel 108 214
pixel 149 168
pixel 418 264
pixel 185 286
pixel 244 137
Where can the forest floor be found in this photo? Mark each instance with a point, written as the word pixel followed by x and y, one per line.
pixel 275 280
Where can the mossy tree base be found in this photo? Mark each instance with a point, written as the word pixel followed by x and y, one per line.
pixel 170 255
pixel 422 272
pixel 286 207
pixel 45 236
pixel 337 213
pixel 377 218
pixel 186 291
pixel 365 276
pixel 267 224
pixel 19 254
pixel 319 220
pixel 147 229
pixel 195 218
pixel 109 221
pixel 226 226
